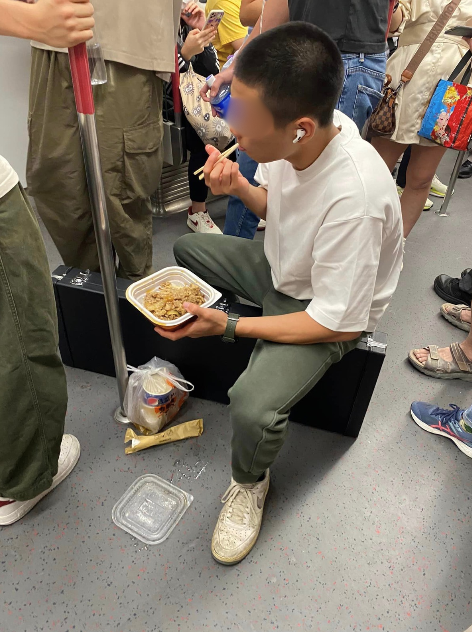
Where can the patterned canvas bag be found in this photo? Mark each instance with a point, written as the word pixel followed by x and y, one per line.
pixel 448 119
pixel 211 129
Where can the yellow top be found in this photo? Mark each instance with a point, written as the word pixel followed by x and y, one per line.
pixel 230 28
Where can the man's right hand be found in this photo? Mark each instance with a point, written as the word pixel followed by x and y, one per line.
pixel 225 178
pixel 60 23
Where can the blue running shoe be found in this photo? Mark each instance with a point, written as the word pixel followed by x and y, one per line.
pixel 443 421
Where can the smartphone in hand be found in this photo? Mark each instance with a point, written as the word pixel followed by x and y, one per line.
pixel 214 18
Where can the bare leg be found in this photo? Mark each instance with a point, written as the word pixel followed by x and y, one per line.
pixel 389 150
pixel 423 164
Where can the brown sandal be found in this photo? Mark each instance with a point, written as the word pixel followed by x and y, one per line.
pixel 460 367
pixel 453 314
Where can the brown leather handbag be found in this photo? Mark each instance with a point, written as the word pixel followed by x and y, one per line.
pixel 382 121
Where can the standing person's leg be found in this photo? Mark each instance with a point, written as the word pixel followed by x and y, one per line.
pixel 198 218
pixel 438 189
pixel 389 150
pixel 55 168
pixel 401 175
pixel 240 221
pixel 33 398
pixel 197 188
pixel 129 128
pixel 364 76
pixel 277 377
pixel 130 132
pixel 420 173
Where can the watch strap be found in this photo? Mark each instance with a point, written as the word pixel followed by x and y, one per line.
pixel 230 331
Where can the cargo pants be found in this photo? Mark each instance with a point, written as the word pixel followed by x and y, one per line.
pixel 129 128
pixel 33 392
pixel 278 375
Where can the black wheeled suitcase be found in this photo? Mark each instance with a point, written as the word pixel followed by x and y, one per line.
pixel 337 403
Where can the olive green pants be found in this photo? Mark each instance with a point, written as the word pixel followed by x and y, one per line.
pixel 33 393
pixel 278 375
pixel 129 127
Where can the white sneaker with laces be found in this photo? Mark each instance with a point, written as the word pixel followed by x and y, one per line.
pixel 428 204
pixel 438 189
pixel 240 521
pixel 13 510
pixel 202 223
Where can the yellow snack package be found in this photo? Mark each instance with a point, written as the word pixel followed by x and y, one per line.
pixel 176 433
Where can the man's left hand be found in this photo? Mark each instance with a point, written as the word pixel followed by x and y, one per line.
pixel 209 322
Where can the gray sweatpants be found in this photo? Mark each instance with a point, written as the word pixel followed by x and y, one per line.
pixel 278 375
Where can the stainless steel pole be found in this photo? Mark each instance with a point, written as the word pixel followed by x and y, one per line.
pixel 442 212
pixel 88 135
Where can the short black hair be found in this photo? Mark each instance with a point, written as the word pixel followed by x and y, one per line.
pixel 298 70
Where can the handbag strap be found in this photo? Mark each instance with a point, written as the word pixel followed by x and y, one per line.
pixel 429 40
pixel 460 67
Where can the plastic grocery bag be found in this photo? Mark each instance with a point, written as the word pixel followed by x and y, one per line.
pixel 155 394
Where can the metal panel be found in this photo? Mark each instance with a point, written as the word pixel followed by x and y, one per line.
pixel 173 195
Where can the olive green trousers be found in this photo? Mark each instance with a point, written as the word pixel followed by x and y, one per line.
pixel 33 392
pixel 129 128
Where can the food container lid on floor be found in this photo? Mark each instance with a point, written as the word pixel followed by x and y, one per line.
pixel 136 293
pixel 151 508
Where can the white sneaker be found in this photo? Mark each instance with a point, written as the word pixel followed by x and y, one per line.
pixel 262 225
pixel 428 204
pixel 438 189
pixel 240 521
pixel 202 223
pixel 13 510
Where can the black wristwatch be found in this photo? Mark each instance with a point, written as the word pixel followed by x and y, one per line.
pixel 229 335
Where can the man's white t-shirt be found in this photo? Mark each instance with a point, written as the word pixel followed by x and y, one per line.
pixel 8 177
pixel 334 232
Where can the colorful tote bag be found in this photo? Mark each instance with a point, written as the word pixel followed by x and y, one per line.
pixel 211 129
pixel 448 119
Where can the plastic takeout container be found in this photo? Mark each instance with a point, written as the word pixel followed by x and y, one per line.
pixel 151 508
pixel 136 293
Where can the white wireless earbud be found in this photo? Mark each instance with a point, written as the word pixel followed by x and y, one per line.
pixel 300 134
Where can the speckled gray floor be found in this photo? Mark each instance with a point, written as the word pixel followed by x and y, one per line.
pixel 373 534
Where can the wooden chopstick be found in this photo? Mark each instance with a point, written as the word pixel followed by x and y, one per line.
pixel 224 155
